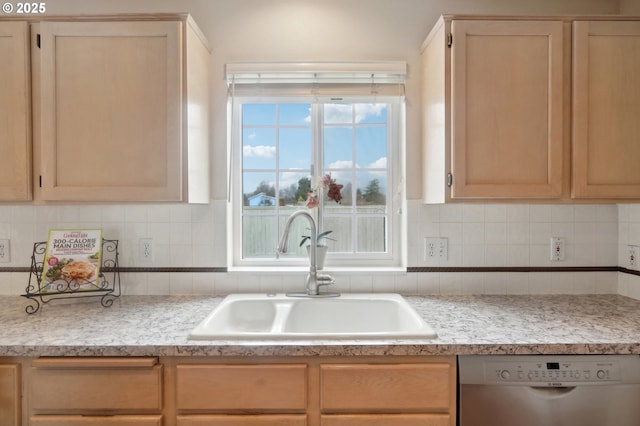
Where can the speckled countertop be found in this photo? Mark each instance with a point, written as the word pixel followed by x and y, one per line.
pixel 159 325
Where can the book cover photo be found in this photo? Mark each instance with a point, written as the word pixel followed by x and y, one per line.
pixel 72 260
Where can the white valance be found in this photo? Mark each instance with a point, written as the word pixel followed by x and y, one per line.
pixel 382 72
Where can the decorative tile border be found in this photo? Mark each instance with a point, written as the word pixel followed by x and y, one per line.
pixel 412 269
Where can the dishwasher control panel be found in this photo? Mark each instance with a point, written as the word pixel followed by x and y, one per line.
pixel 554 373
pixel 547 370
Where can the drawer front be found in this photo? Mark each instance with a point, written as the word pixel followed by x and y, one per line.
pixel 386 420
pixel 257 420
pixel 79 387
pixel 385 388
pixel 152 420
pixel 242 387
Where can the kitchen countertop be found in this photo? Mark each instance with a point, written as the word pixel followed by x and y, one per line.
pixel 159 325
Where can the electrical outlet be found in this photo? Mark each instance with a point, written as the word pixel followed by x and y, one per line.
pixel 145 246
pixel 5 251
pixel 436 249
pixel 557 249
pixel 633 261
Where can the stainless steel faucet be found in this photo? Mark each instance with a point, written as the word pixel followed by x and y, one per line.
pixel 314 280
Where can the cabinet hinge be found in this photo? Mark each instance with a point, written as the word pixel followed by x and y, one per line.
pixel 38 40
pixel 449 40
pixel 449 180
pixel 40 181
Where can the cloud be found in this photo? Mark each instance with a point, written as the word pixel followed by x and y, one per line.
pixel 291 178
pixel 380 163
pixel 337 113
pixel 363 111
pixel 342 164
pixel 259 151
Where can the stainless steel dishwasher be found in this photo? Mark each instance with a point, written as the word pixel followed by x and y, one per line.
pixel 549 390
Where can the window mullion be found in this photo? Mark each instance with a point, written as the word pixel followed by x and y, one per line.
pixel 317 160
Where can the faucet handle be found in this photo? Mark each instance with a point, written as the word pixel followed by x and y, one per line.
pixel 324 279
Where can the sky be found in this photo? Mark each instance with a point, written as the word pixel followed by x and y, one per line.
pixel 355 143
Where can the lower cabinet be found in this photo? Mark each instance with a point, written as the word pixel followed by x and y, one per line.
pixel 276 393
pixel 316 391
pixel 230 391
pixel 243 420
pixel 148 420
pixel 386 420
pixel 10 385
pixel 392 390
pixel 95 391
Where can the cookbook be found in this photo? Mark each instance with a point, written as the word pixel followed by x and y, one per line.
pixel 71 260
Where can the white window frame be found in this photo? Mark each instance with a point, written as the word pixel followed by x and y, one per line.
pixel 396 255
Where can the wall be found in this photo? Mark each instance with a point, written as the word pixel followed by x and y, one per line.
pixel 629 234
pixel 296 30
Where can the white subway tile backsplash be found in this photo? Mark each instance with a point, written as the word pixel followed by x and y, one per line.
pixel 495 213
pixel 562 213
pixel 518 213
pixel 540 213
pixel 478 235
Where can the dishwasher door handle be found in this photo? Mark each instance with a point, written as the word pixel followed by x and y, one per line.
pixel 550 392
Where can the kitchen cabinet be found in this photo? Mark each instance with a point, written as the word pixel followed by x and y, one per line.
pixel 386 394
pixel 88 391
pixel 524 108
pixel 314 391
pixel 606 106
pixel 10 394
pixel 493 109
pixel 230 391
pixel 122 110
pixel 15 112
pixel 236 390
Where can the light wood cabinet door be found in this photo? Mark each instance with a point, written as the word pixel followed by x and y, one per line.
pixel 245 388
pixel 132 420
pixel 393 388
pixel 243 420
pixel 15 112
pixel 10 394
pixel 606 109
pixel 507 109
pixel 112 111
pixel 386 420
pixel 89 385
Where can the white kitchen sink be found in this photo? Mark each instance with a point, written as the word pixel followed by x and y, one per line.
pixel 350 316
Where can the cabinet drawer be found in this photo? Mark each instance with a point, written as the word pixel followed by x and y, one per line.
pixel 72 385
pixel 386 420
pixel 385 388
pixel 153 420
pixel 257 420
pixel 242 387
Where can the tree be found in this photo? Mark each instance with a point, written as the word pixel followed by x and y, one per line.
pixel 372 194
pixel 264 187
pixel 288 196
pixel 304 186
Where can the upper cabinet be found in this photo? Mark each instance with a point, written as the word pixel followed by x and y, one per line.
pixel 104 109
pixel 15 112
pixel 123 111
pixel 495 129
pixel 606 109
pixel 497 117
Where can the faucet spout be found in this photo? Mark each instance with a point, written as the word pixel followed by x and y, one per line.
pixel 313 281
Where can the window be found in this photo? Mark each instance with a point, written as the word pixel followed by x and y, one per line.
pixel 281 148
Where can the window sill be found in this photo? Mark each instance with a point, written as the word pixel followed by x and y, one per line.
pixel 278 270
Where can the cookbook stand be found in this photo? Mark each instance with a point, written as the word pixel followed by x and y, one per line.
pixel 106 285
